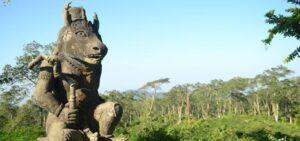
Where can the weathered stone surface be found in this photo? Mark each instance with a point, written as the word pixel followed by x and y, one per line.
pixel 68 82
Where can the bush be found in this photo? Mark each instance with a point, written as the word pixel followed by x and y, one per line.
pixel 22 134
pixel 247 128
pixel 228 128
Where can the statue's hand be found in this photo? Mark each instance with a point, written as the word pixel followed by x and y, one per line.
pixel 67 5
pixel 71 115
pixel 52 59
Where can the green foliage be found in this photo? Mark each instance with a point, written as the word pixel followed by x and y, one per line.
pixel 25 133
pixel 243 127
pixel 150 131
pixel 155 83
pixel 26 115
pixel 19 73
pixel 9 101
pixel 288 26
pixel 16 111
pixel 6 2
pixel 294 1
pixel 293 55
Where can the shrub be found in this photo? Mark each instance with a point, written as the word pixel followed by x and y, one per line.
pixel 30 133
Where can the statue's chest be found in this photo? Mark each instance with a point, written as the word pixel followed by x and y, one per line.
pixel 84 96
pixel 84 78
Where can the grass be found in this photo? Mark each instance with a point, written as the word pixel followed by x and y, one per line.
pixel 228 128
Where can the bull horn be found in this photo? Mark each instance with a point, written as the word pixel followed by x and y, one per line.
pixel 67 18
pixel 96 22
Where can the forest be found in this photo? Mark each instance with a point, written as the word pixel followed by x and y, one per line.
pixel 265 107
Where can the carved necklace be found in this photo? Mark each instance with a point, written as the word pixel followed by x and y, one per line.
pixel 78 66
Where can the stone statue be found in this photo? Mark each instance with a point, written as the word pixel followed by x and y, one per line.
pixel 68 82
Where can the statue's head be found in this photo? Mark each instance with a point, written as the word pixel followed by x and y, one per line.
pixel 80 39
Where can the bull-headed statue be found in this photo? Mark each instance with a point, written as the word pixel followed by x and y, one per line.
pixel 68 82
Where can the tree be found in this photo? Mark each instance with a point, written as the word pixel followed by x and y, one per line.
pixel 288 26
pixel 290 100
pixel 6 2
pixel 19 74
pixel 175 99
pixel 9 101
pixel 16 82
pixel 154 85
pixel 271 84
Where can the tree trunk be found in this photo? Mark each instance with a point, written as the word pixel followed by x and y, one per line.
pixel 268 109
pixel 254 108
pixel 224 108
pixel 41 117
pixel 152 101
pixel 202 112
pixel 257 104
pixel 242 109
pixel 291 120
pixel 173 111
pixel 235 108
pixel 218 109
pixel 187 108
pixel 180 112
pixel 230 106
pixel 207 109
pixel 130 120
pixel 275 108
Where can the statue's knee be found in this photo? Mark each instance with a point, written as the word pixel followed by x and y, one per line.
pixel 55 131
pixel 118 109
pixel 59 132
pixel 56 126
pixel 73 135
pixel 108 109
pixel 66 135
pixel 108 115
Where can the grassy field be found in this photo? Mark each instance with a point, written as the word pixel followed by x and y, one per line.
pixel 243 127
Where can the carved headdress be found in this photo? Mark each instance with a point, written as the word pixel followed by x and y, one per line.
pixel 78 31
pixel 77 13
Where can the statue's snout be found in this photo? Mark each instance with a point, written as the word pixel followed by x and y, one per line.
pixel 99 48
pixel 96 48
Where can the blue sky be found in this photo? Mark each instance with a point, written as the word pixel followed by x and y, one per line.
pixel 187 41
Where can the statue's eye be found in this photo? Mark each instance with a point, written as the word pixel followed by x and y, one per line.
pixel 81 34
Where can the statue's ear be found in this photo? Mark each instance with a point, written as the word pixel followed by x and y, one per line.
pixel 96 22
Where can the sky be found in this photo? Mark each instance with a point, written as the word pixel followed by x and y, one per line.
pixel 187 41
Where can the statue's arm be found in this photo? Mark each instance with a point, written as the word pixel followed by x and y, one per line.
pixel 43 93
